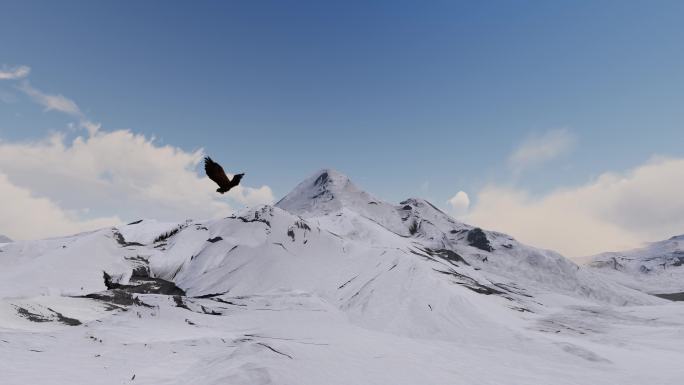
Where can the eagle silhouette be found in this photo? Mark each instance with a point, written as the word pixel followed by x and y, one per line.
pixel 215 172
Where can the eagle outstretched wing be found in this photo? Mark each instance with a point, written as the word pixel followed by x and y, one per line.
pixel 215 172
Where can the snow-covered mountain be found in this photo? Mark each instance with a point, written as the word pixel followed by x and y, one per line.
pixel 5 239
pixel 655 268
pixel 330 285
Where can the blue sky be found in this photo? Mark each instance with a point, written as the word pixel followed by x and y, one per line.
pixel 408 98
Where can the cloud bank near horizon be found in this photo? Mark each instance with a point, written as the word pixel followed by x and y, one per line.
pixel 57 186
pixel 616 211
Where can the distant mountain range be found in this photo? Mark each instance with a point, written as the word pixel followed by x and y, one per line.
pixel 655 268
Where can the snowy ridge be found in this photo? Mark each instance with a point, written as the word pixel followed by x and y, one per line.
pixel 333 202
pixel 656 268
pixel 331 285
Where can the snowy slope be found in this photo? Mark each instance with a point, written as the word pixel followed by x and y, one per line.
pixel 329 286
pixel 655 268
pixel 330 200
pixel 4 239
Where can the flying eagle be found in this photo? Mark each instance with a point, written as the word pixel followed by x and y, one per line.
pixel 215 172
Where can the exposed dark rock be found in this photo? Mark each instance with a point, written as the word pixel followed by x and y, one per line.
pixel 322 179
pixel 274 350
pixel 291 234
pixel 413 228
pixel 447 255
pixel 302 225
pixel 470 283
pixel 179 302
pixel 65 320
pixel 512 288
pixel 135 222
pixel 33 317
pixel 141 271
pixel 218 299
pixel 210 311
pixel 214 240
pixel 671 296
pixel 477 238
pixel 210 295
pixel 345 284
pixel 56 316
pixel 255 219
pixel 108 281
pixel 117 297
pixel 143 284
pixel 168 234
pixel 121 241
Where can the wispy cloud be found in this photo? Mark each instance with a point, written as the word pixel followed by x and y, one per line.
pixel 51 102
pixel 542 148
pixel 19 72
pixel 60 103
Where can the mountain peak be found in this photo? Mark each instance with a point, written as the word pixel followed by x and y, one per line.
pixel 325 191
pixel 330 178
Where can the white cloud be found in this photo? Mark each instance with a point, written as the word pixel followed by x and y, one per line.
pixel 27 216
pixel 614 212
pixel 459 203
pixel 539 149
pixel 93 181
pixel 14 73
pixel 114 173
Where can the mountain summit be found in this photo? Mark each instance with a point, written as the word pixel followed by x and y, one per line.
pixel 324 192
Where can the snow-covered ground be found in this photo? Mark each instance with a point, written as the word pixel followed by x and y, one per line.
pixel 329 286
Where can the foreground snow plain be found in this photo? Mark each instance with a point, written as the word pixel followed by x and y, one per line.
pixel 329 286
